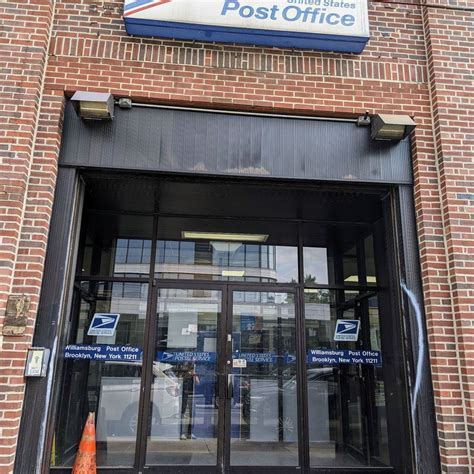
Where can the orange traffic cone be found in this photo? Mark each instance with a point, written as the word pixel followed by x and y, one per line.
pixel 85 459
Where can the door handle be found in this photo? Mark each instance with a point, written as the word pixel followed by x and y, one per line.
pixel 230 386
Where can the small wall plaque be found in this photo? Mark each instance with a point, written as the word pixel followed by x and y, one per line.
pixel 37 362
pixel 16 315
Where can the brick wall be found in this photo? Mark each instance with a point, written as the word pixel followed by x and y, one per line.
pixel 406 68
pixel 24 34
pixel 450 52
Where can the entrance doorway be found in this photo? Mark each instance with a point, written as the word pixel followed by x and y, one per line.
pixel 257 331
pixel 230 353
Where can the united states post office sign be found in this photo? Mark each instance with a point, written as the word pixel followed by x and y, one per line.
pixel 326 25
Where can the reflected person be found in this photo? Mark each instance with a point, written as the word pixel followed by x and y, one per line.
pixel 189 377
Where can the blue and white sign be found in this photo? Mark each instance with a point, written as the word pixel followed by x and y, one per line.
pixel 327 25
pixel 190 356
pixel 103 324
pixel 347 330
pixel 256 357
pixel 186 356
pixel 343 356
pixel 103 352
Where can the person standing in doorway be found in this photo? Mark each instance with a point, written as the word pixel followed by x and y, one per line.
pixel 189 378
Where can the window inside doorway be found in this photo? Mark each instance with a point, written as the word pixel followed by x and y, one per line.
pixel 200 249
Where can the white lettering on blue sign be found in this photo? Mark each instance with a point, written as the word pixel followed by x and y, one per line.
pixel 333 25
pixel 117 353
pixel 186 356
pixel 103 324
pixel 347 330
pixel 190 356
pixel 256 357
pixel 103 352
pixel 343 356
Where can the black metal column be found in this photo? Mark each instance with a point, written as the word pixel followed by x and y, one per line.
pixel 34 441
pixel 421 390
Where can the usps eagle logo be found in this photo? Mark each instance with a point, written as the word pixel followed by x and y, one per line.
pixel 347 330
pixel 103 324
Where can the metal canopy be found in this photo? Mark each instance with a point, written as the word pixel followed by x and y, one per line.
pixel 197 142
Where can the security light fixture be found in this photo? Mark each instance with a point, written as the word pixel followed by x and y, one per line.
pixel 125 103
pixel 363 120
pixel 229 237
pixel 94 105
pixel 391 127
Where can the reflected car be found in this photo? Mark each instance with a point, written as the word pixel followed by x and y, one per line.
pixel 260 398
pixel 119 401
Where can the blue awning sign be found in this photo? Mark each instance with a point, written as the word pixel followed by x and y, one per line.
pixel 103 324
pixel 328 25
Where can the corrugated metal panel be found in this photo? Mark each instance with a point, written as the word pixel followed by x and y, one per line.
pixel 423 414
pixel 52 307
pixel 229 144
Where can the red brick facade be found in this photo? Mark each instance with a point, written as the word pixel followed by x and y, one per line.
pixel 449 35
pixel 26 190
pixel 419 61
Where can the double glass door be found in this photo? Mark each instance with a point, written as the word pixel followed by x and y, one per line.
pixel 220 391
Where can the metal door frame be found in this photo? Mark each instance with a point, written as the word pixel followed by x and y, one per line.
pixel 224 326
pixel 274 288
pixel 224 353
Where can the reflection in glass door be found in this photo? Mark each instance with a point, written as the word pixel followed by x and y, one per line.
pixel 263 421
pixel 183 418
pixel 101 383
pixel 347 414
pixel 257 396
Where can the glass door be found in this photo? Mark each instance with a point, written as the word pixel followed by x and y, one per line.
pixel 223 394
pixel 262 387
pixel 184 404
